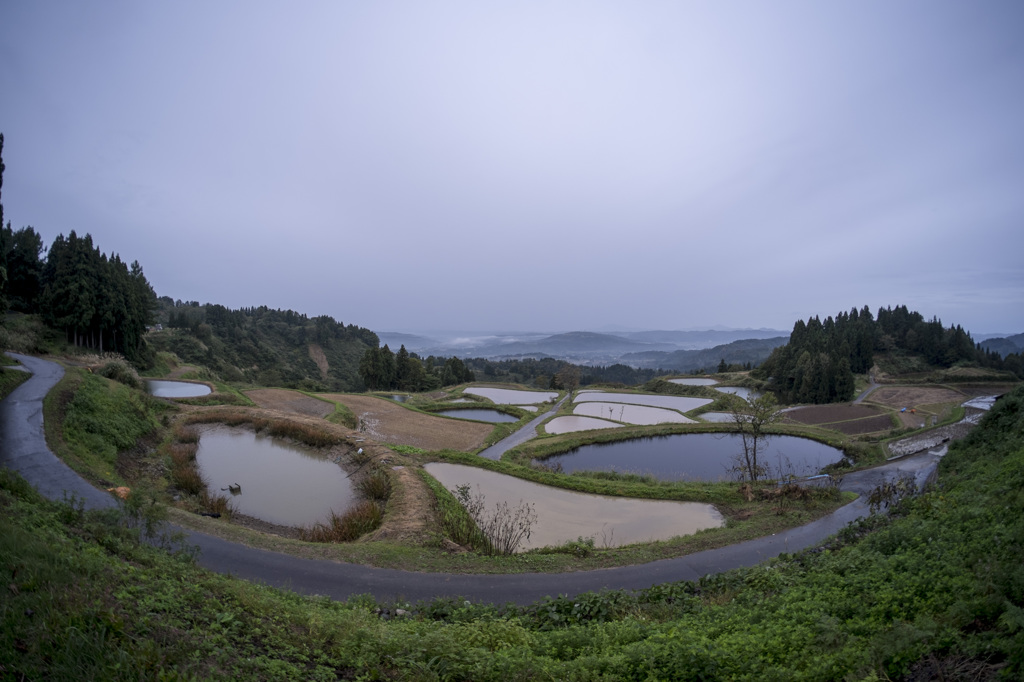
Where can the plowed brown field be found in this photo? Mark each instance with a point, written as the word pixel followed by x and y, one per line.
pixel 388 422
pixel 898 397
pixel 290 401
pixel 849 419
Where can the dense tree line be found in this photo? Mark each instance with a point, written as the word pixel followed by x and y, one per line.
pixel 99 302
pixel 383 370
pixel 264 345
pixel 818 363
pixel 544 372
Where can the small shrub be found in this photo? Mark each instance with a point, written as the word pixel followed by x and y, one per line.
pixel 121 372
pixel 186 434
pixel 505 527
pixel 215 504
pixel 357 521
pixel 376 485
pixel 188 480
pixel 580 547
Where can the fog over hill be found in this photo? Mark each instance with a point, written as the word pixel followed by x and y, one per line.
pixel 581 347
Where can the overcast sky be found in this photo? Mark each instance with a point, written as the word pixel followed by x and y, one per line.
pixel 547 166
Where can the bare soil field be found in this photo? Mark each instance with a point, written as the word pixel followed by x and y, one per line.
pixel 851 420
pixel 388 422
pixel 290 401
pixel 898 397
pixel 824 414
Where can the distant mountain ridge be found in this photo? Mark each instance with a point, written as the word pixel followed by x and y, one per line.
pixel 644 348
pixel 1004 345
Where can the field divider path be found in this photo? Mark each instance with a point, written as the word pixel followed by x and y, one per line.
pixel 23 448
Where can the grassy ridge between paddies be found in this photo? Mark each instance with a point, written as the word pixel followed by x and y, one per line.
pixel 936 591
pixel 103 420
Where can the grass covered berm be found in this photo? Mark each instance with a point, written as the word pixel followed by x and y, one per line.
pixel 934 591
pixel 100 418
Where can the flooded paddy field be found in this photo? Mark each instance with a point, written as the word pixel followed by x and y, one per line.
pixel 564 515
pixel 696 456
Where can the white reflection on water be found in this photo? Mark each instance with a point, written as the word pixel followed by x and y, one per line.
pixel 163 388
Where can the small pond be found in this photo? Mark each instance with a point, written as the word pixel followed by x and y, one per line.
pixel 165 388
pixel 745 393
pixel 630 414
pixel 399 398
pixel 281 482
pixel 492 416
pixel 694 382
pixel 573 423
pixel 696 456
pixel 717 417
pixel 564 515
pixel 510 396
pixel 671 402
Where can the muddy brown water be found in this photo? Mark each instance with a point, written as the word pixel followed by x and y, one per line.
pixel 565 515
pixel 282 483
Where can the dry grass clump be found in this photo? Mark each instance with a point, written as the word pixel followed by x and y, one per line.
pixel 307 434
pixel 376 485
pixel 215 504
pixel 357 521
pixel 304 433
pixel 185 474
pixel 186 434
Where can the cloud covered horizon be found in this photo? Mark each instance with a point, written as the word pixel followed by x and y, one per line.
pixel 533 166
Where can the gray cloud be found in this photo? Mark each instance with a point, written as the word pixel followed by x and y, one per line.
pixel 548 166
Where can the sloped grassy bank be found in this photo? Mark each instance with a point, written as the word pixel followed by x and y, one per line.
pixel 935 591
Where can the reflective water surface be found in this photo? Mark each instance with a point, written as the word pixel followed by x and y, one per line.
pixel 480 415
pixel 564 515
pixel 280 482
pixel 631 414
pixel 165 388
pixel 696 456
pixel 745 393
pixel 694 382
pixel 509 396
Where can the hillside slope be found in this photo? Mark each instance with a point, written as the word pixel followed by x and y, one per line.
pixel 265 346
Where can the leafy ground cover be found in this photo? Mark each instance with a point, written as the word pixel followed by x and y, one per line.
pixel 934 591
pixel 10 379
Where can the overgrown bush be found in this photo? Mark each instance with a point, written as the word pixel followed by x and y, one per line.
pixel 375 485
pixel 121 372
pixel 505 527
pixel 356 522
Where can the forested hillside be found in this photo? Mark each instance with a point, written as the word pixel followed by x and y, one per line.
pixel 818 363
pixel 265 346
pixel 747 352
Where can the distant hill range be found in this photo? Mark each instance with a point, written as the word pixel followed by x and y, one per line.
pixel 1005 345
pixel 679 350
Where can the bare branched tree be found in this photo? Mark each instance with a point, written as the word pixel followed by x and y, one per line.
pixel 751 421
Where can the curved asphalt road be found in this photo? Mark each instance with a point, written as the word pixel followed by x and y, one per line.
pixel 23 448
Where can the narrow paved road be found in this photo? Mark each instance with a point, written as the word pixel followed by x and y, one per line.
pixel 522 435
pixel 23 448
pixel 867 391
